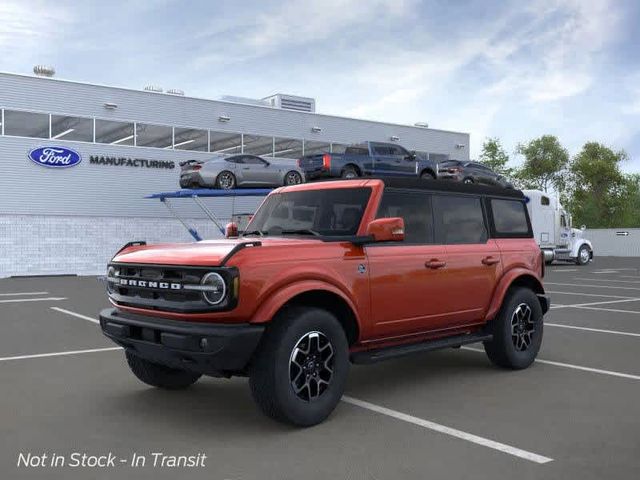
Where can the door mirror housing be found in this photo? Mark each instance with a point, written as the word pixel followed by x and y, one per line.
pixel 583 227
pixel 386 230
pixel 231 230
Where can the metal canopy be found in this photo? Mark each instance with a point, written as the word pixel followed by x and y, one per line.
pixel 197 194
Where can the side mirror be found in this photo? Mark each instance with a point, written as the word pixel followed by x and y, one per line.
pixel 231 230
pixel 583 228
pixel 386 229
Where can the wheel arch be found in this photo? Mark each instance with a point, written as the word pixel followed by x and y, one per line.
pixel 355 166
pixel 325 297
pixel 513 279
pixel 428 170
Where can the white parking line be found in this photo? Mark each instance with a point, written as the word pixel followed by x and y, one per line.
pixel 586 294
pixel 22 293
pixel 74 314
pixel 596 330
pixel 595 303
pixel 469 437
pixel 614 310
pixel 574 367
pixel 24 300
pixel 59 354
pixel 594 286
pixel 608 280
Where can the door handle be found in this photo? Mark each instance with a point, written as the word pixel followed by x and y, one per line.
pixel 490 260
pixel 434 264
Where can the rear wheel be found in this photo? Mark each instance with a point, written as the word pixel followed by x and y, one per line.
pixel 349 172
pixel 292 178
pixel 427 176
pixel 584 255
pixel 160 376
pixel 468 180
pixel 517 330
pixel 226 180
pixel 300 370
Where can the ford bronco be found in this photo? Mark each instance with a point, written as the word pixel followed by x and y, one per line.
pixel 328 274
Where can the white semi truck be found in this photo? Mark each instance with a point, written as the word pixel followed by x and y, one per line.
pixel 553 231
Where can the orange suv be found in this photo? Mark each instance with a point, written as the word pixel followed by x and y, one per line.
pixel 328 274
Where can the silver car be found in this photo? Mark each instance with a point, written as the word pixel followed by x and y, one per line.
pixel 226 172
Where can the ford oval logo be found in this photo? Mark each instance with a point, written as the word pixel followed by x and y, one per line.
pixel 55 157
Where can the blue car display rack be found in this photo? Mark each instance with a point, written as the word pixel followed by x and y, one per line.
pixel 197 194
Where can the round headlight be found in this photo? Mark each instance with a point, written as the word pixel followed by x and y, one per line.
pixel 111 274
pixel 215 288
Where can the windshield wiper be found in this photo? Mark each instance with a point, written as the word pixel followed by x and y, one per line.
pixel 301 231
pixel 253 232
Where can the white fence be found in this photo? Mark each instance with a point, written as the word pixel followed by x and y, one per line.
pixel 614 242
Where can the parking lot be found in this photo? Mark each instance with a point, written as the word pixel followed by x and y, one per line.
pixel 447 414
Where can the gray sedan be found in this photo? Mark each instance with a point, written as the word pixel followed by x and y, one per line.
pixel 226 172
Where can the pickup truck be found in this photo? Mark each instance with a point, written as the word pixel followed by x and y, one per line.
pixel 328 274
pixel 369 158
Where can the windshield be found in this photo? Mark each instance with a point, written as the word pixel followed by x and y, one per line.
pixel 326 212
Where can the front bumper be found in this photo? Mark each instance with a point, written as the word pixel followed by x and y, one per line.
pixel 210 349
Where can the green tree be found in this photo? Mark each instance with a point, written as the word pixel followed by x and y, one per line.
pixel 545 163
pixel 601 195
pixel 495 157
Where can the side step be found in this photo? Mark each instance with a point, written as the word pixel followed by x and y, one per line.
pixel 380 354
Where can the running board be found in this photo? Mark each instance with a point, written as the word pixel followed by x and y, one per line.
pixel 380 354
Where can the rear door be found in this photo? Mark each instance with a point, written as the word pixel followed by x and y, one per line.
pixel 473 259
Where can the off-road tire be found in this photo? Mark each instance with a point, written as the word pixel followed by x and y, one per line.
pixel 583 259
pixel 349 172
pixel 160 376
pixel 270 370
pixel 427 176
pixel 226 186
pixel 502 350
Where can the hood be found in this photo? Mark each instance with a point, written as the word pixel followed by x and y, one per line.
pixel 206 253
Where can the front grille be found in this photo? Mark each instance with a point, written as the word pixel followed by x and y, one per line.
pixel 152 287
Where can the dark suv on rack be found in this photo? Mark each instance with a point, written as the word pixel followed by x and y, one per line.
pixel 471 172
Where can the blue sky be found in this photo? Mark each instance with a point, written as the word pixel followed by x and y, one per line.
pixel 511 69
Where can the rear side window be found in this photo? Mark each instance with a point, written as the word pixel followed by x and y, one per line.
pixel 357 150
pixel 459 220
pixel 510 218
pixel 415 209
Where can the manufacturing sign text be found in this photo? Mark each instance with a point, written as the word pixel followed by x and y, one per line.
pixel 131 162
pixel 55 157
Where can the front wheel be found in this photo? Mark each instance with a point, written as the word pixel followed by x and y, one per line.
pixel 517 330
pixel 299 372
pixel 159 376
pixel 427 176
pixel 467 181
pixel 584 255
pixel 226 180
pixel 292 178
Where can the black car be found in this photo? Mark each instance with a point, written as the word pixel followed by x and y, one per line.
pixel 471 172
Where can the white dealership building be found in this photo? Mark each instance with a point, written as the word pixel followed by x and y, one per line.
pixel 127 144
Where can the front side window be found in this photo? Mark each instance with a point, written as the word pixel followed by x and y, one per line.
pixel 251 160
pixel 26 124
pixel 510 217
pixel 324 212
pixel 544 200
pixel 415 209
pixel 459 219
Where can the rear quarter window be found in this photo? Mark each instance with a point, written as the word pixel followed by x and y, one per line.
pixel 510 218
pixel 459 220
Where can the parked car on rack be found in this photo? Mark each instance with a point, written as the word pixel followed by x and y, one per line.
pixel 327 274
pixel 471 172
pixel 369 158
pixel 226 172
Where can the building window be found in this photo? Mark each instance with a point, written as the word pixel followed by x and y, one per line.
pixel 315 148
pixel 71 128
pixel 225 142
pixel 114 133
pixel 287 148
pixel 338 147
pixel 26 124
pixel 157 136
pixel 190 139
pixel 258 145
